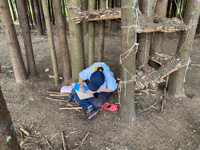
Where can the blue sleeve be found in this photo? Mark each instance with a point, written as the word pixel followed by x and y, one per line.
pixel 86 73
pixel 110 81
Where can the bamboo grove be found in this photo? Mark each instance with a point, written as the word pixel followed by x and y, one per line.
pixel 44 14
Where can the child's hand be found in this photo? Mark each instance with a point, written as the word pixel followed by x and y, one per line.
pixel 81 89
pixel 90 92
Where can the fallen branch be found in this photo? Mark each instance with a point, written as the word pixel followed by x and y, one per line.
pixel 65 94
pixel 49 144
pixel 85 138
pixel 71 108
pixel 36 130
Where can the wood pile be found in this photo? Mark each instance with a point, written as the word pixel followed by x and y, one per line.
pixel 160 24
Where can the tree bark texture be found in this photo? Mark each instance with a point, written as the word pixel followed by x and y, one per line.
pixel 12 42
pixel 84 5
pixel 198 27
pixel 51 41
pixel 177 79
pixel 33 11
pixel 145 38
pixel 127 109
pixel 76 40
pixel 62 37
pixel 161 10
pixel 13 11
pixel 8 140
pixel 37 13
pixel 41 15
pixel 24 24
pixel 100 50
pixel 91 35
pixel 28 10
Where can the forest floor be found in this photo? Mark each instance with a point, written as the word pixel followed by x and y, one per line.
pixel 176 128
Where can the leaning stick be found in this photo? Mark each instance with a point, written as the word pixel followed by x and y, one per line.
pixel 63 141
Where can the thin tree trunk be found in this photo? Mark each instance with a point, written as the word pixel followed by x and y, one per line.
pixel 100 50
pixel 33 11
pixel 51 41
pixel 127 109
pixel 84 4
pixel 37 13
pixel 28 11
pixel 177 79
pixel 64 12
pixel 145 38
pixel 161 10
pixel 198 27
pixel 24 24
pixel 109 21
pixel 52 13
pixel 41 15
pixel 91 35
pixel 76 40
pixel 12 42
pixel 13 11
pixel 64 51
pixel 8 140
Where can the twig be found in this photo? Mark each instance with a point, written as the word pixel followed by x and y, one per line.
pixel 71 108
pixel 66 94
pixel 24 131
pixel 63 141
pixel 85 138
pixel 53 136
pixel 36 130
pixel 49 144
pixel 150 106
pixel 58 100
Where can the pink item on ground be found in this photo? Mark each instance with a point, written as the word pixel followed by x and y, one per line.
pixel 110 107
pixel 66 89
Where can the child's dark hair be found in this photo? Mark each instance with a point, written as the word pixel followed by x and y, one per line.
pixel 100 69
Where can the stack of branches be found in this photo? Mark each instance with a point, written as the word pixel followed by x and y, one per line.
pixel 159 24
pixel 169 64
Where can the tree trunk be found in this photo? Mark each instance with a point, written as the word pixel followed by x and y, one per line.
pixel 24 24
pixel 198 27
pixel 33 11
pixel 52 13
pixel 37 13
pixel 8 140
pixel 161 10
pixel 91 35
pixel 64 12
pixel 41 15
pixel 12 42
pixel 109 21
pixel 51 41
pixel 100 50
pixel 76 40
pixel 145 38
pixel 127 109
pixel 177 79
pixel 84 4
pixel 28 11
pixel 13 11
pixel 64 51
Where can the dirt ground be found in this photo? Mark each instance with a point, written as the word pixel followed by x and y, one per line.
pixel 176 128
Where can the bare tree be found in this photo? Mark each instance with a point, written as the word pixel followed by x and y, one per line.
pixel 127 109
pixel 177 79
pixel 100 50
pixel 51 41
pixel 12 42
pixel 64 51
pixel 76 39
pixel 24 24
pixel 91 35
